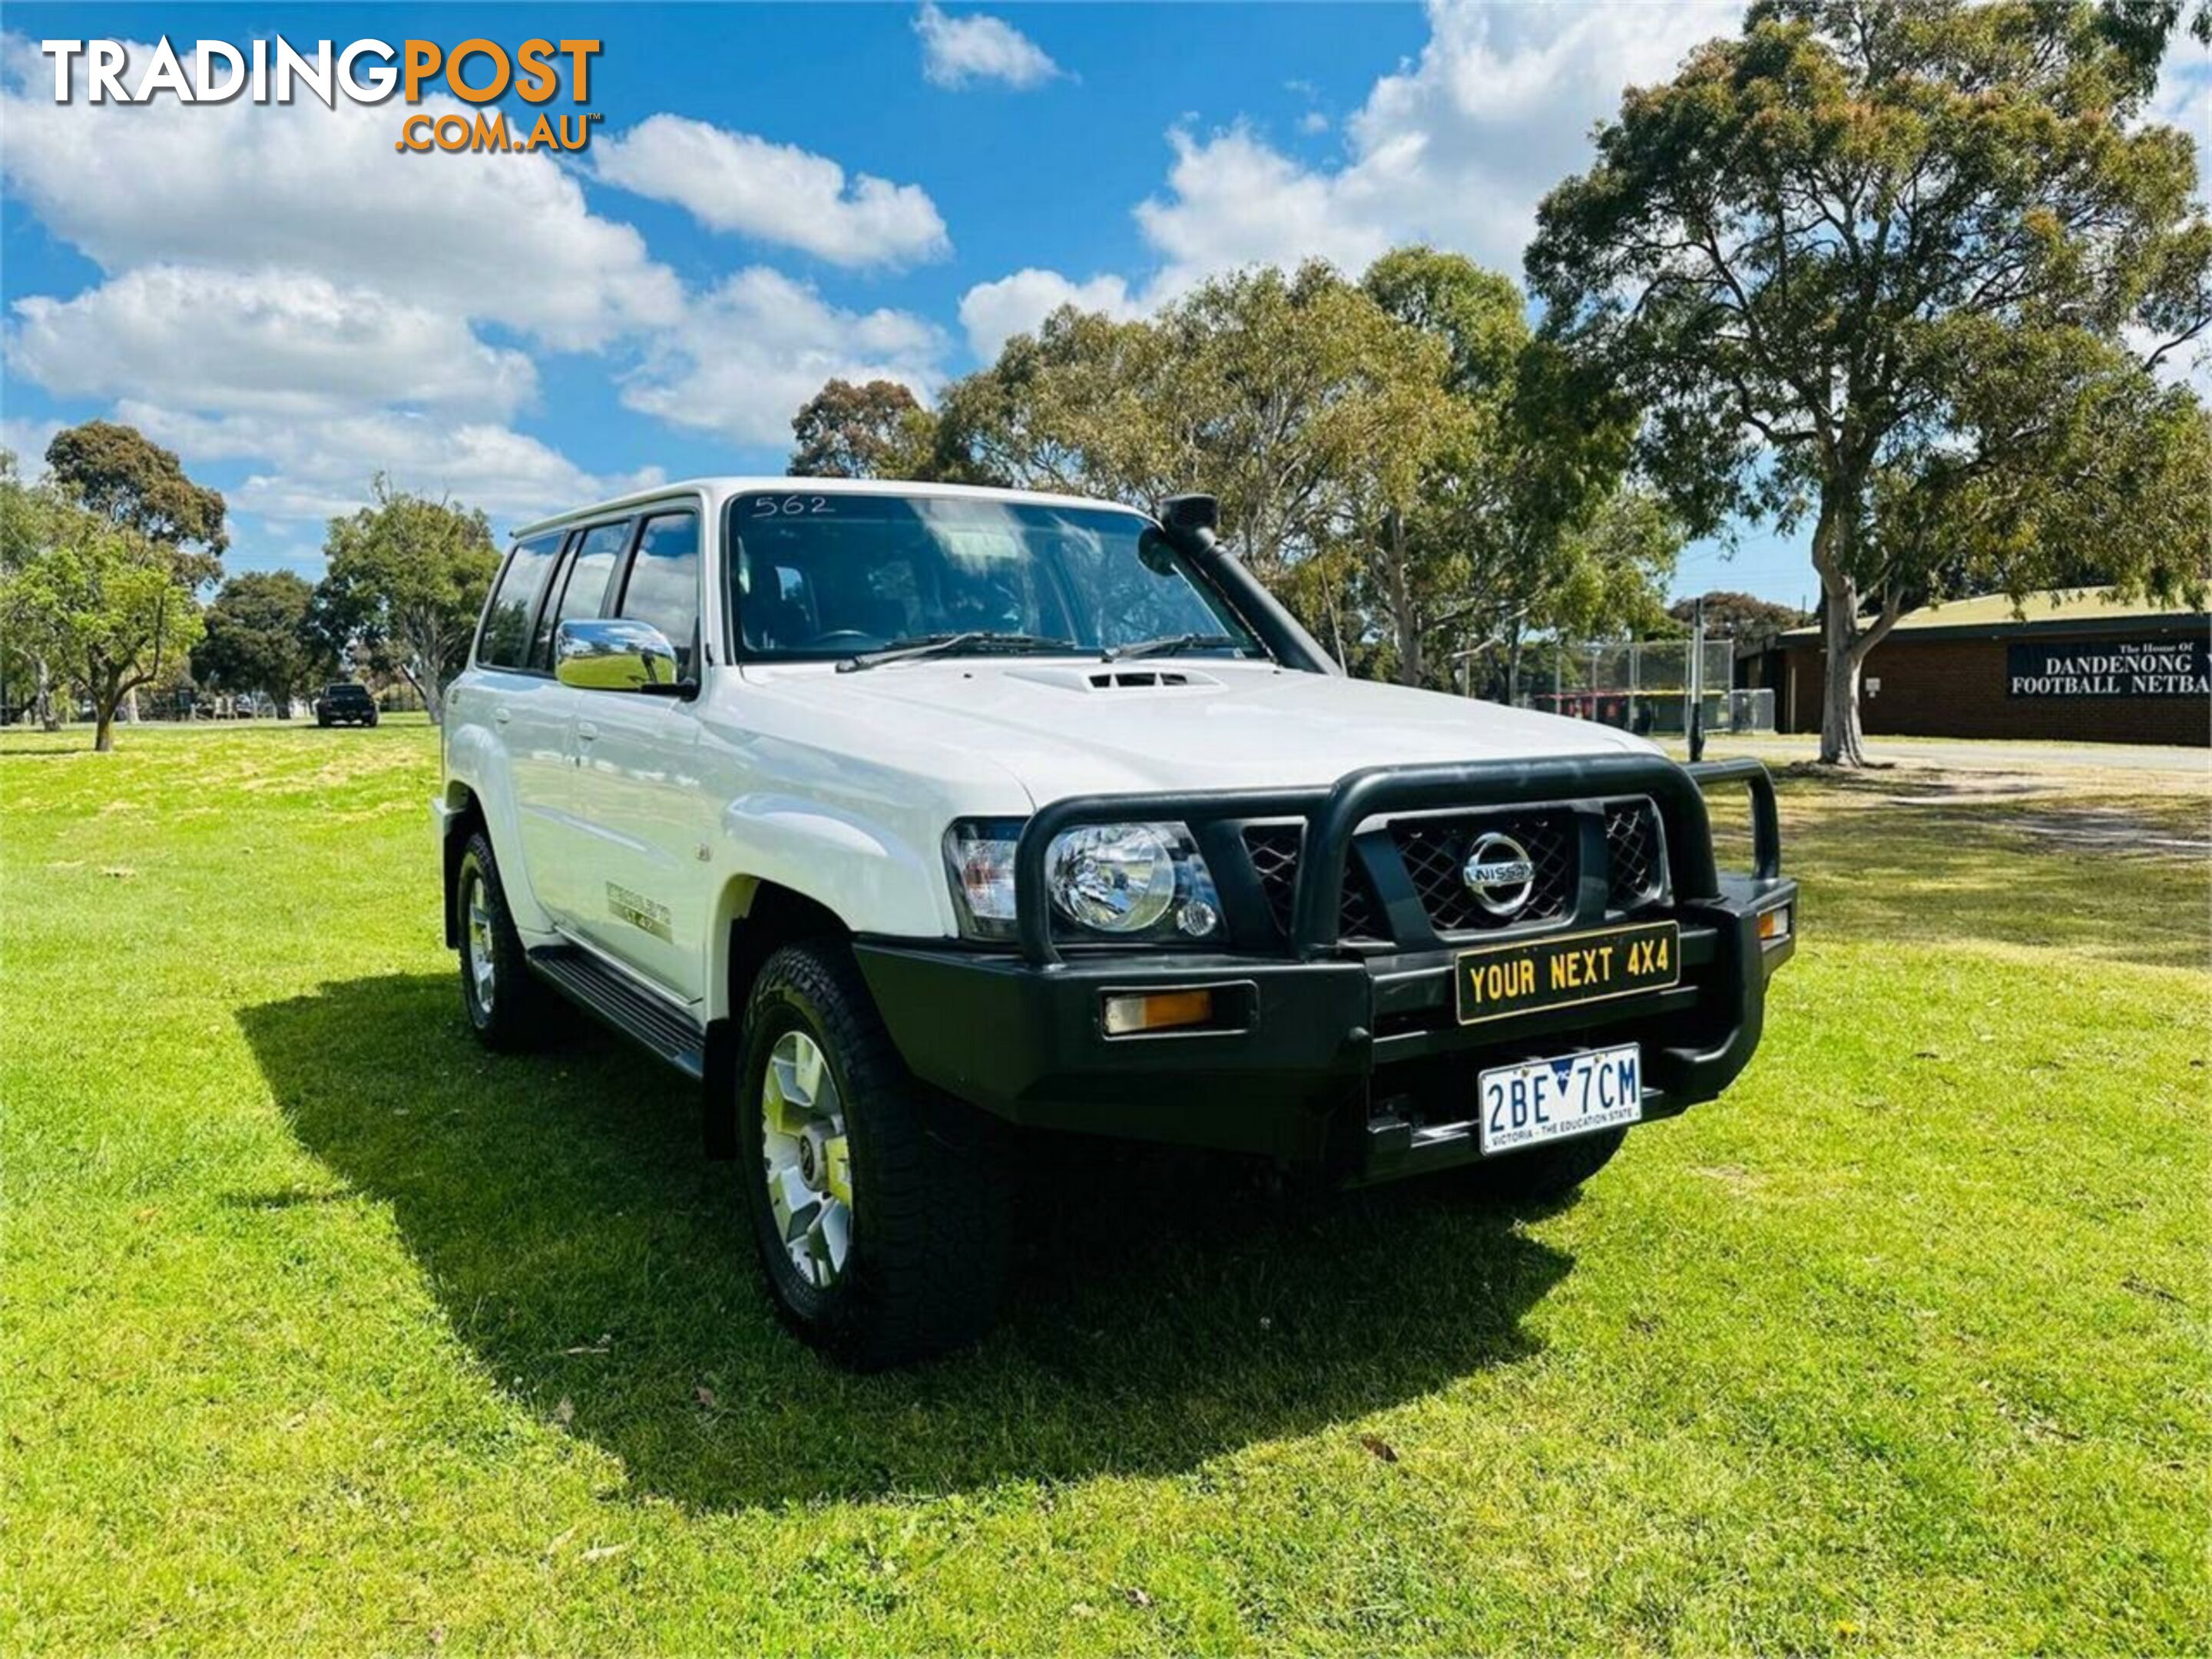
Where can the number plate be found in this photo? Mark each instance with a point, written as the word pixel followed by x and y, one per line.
pixel 1499 980
pixel 1555 1099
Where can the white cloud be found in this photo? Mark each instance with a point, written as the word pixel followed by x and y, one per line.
pixel 2184 97
pixel 1233 200
pixel 993 313
pixel 2189 364
pixel 264 555
pixel 733 181
pixel 28 439
pixel 319 469
pixel 502 237
pixel 959 52
pixel 251 314
pixel 1456 149
pixel 278 341
pixel 750 351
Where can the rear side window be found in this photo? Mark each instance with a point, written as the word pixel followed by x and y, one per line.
pixel 583 586
pixel 591 571
pixel 663 587
pixel 514 601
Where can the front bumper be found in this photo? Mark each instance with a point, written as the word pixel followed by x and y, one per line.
pixel 1356 1060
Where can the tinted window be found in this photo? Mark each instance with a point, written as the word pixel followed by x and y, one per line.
pixel 507 618
pixel 663 588
pixel 584 585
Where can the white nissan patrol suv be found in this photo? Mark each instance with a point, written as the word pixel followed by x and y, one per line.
pixel 906 816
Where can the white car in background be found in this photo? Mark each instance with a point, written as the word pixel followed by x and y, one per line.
pixel 907 817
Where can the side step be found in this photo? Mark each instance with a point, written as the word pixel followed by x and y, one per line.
pixel 657 1025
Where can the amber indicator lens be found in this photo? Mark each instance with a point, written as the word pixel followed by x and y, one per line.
pixel 1128 1013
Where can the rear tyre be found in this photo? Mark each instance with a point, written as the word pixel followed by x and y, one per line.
pixel 372 717
pixel 1545 1175
pixel 323 720
pixel 507 1005
pixel 879 1207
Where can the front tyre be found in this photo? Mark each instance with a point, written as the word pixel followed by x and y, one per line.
pixel 879 1207
pixel 506 1003
pixel 1546 1175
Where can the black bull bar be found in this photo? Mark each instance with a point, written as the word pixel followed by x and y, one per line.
pixel 1331 817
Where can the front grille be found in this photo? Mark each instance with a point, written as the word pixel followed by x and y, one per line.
pixel 1435 850
pixel 1275 850
pixel 1636 853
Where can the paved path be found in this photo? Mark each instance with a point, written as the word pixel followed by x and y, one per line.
pixel 1989 756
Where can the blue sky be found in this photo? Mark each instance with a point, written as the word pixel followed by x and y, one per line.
pixel 776 193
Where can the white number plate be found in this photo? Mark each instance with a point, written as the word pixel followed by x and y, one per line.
pixel 1553 1099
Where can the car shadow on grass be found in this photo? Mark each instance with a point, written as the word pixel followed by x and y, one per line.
pixel 1164 1310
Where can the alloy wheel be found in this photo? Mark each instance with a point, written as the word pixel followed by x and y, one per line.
pixel 804 1159
pixel 483 965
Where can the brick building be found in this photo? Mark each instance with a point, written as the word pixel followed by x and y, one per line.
pixel 2075 666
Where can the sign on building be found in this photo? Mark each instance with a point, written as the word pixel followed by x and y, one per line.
pixel 2110 668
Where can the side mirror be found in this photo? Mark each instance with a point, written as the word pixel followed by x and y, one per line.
pixel 613 656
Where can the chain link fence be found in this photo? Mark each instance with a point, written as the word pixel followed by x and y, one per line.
pixel 1641 686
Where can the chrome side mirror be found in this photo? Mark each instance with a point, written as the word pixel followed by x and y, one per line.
pixel 614 655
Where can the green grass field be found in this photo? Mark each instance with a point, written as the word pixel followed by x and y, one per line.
pixel 323 1331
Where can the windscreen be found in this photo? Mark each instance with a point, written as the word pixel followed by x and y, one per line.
pixel 829 575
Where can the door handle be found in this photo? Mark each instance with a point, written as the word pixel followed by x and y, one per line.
pixel 502 715
pixel 586 731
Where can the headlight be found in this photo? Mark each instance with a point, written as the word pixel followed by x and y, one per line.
pixel 1119 878
pixel 1127 881
pixel 1132 880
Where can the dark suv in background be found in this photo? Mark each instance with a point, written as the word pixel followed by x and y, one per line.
pixel 345 703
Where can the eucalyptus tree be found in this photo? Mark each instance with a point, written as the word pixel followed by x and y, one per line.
pixel 1080 405
pixel 877 429
pixel 1901 270
pixel 406 580
pixel 1525 521
pixel 258 637
pixel 1291 396
pixel 89 598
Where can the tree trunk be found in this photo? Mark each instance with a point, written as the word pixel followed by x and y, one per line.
pixel 48 721
pixel 1834 536
pixel 105 687
pixel 1842 738
pixel 1412 665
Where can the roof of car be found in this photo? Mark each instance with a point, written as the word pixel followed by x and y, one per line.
pixel 717 490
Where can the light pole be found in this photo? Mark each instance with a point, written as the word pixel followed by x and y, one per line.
pixel 1698 680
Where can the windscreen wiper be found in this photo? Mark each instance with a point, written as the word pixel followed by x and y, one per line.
pixel 947 645
pixel 1169 645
